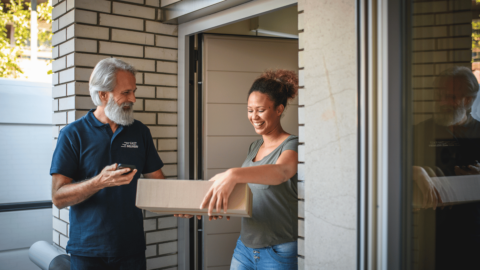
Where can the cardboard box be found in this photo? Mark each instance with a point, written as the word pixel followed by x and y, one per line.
pixel 452 190
pixel 185 197
pixel 458 189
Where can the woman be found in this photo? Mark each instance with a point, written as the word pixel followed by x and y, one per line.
pixel 268 238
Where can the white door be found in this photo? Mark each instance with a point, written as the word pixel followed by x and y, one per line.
pixel 230 66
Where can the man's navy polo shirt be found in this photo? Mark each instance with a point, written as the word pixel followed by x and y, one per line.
pixel 107 224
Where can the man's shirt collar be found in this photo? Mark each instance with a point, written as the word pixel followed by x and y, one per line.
pixel 93 120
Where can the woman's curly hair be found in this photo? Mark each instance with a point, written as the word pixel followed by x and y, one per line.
pixel 280 85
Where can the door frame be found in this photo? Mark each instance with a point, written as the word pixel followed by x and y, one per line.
pixel 397 132
pixel 384 145
pixel 235 14
pixel 185 30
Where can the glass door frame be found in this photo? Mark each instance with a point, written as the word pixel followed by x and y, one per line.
pixel 385 132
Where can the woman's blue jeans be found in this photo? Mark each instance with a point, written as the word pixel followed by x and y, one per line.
pixel 278 257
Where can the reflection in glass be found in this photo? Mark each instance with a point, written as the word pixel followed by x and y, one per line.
pixel 446 134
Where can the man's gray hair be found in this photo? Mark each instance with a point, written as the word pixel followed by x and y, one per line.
pixel 103 77
pixel 463 80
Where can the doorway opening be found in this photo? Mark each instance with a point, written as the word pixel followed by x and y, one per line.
pixel 223 62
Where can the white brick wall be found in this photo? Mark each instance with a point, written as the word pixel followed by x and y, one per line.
pixel 60 226
pixel 441 39
pixel 161 236
pixel 151 251
pixel 161 262
pixel 133 37
pixel 134 11
pixel 121 22
pixel 86 31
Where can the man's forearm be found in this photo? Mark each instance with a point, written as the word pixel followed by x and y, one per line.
pixel 74 193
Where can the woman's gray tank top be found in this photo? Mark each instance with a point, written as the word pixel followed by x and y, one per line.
pixel 275 208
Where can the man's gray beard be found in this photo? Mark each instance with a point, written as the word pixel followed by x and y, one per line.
pixel 448 119
pixel 117 114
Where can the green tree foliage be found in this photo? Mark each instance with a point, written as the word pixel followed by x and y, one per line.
pixel 475 34
pixel 8 54
pixel 17 14
pixel 44 11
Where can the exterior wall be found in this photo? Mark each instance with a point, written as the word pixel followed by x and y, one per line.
pixel 25 138
pixel 18 231
pixel 86 31
pixel 301 138
pixel 328 155
pixel 442 38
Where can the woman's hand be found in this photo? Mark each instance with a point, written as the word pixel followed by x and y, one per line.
pixel 429 194
pixel 217 196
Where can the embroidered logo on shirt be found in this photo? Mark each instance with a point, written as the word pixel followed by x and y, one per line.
pixel 443 143
pixel 129 145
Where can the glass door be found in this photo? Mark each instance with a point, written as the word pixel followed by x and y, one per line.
pixel 442 40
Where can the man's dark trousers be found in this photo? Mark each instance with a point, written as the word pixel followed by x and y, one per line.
pixel 134 262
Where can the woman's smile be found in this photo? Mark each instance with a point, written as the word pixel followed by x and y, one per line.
pixel 262 113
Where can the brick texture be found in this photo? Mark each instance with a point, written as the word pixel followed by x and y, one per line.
pixel 441 38
pixel 86 31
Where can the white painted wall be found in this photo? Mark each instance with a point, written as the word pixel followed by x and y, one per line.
pixel 330 133
pixel 283 21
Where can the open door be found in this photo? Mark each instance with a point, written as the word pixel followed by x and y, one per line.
pixel 228 67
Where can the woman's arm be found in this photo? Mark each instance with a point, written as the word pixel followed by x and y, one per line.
pixel 272 174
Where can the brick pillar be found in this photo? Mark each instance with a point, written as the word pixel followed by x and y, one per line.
pixel 86 31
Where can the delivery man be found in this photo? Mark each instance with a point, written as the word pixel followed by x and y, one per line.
pixel 449 146
pixel 106 229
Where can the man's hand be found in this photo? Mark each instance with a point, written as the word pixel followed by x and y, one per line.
pixel 65 193
pixel 109 177
pixel 472 169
